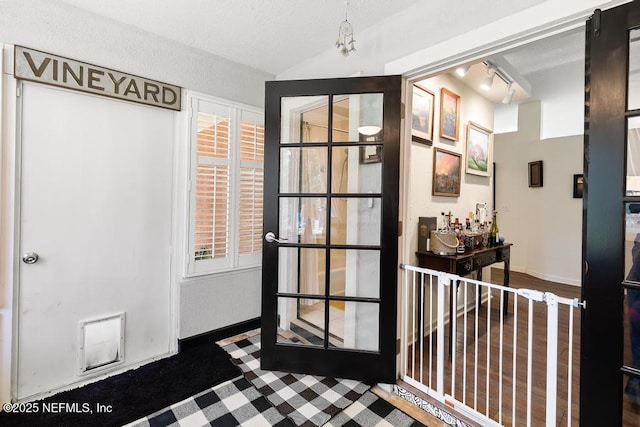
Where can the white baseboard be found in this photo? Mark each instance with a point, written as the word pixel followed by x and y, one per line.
pixel 542 276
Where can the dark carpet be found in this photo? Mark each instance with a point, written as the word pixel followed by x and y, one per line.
pixel 133 394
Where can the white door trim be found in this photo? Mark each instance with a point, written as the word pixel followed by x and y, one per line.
pixel 8 218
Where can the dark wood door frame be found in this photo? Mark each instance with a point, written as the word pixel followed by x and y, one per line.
pixel 370 367
pixel 602 340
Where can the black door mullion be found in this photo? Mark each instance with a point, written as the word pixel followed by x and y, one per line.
pixel 603 251
pixel 327 258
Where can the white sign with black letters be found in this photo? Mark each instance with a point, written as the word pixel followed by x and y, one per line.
pixel 55 70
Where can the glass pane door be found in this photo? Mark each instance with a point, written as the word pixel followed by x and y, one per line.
pixel 334 242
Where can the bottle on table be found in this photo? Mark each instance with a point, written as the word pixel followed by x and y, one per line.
pixel 493 230
pixel 460 249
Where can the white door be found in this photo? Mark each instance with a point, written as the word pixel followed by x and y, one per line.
pixel 95 205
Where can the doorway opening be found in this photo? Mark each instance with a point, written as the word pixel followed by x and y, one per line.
pixel 532 110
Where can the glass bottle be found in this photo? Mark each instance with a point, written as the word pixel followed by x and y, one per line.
pixel 493 231
pixel 460 248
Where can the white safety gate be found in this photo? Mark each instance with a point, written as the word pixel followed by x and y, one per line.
pixel 501 360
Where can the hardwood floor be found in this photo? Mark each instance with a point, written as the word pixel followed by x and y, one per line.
pixel 492 376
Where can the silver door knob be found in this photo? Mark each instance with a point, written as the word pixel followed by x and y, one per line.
pixel 30 258
pixel 270 238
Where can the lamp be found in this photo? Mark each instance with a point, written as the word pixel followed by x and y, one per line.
pixel 371 114
pixel 461 71
pixel 508 98
pixel 345 42
pixel 488 81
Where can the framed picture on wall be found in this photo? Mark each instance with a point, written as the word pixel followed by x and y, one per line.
pixel 422 115
pixel 535 174
pixel 479 150
pixel 447 168
pixel 449 114
pixel 578 185
pixel 370 154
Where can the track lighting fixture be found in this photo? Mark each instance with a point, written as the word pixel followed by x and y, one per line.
pixel 492 70
pixel 508 98
pixel 488 81
pixel 462 71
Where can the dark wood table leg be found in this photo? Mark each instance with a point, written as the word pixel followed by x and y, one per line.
pixel 506 284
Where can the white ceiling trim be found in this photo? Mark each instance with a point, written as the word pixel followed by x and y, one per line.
pixel 539 22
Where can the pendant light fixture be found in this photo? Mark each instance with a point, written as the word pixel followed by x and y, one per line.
pixel 370 114
pixel 345 42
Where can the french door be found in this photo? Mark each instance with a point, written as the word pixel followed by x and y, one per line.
pixel 610 352
pixel 330 255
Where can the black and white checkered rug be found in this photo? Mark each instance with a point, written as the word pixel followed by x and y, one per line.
pixel 233 403
pixel 307 399
pixel 267 398
pixel 313 400
pixel 237 403
pixel 370 410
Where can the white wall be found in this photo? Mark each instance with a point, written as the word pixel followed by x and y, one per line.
pixel 209 304
pixel 544 224
pixel 61 29
pixel 561 91
pixel 68 31
pixel 473 189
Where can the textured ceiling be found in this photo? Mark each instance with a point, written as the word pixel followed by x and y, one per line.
pixel 275 35
pixel 270 35
pixel 561 49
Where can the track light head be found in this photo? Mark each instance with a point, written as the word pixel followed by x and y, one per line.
pixel 488 81
pixel 508 98
pixel 462 70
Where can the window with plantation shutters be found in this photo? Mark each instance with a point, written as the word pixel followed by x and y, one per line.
pixel 226 187
pixel 251 188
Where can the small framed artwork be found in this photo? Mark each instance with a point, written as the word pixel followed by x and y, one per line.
pixel 479 150
pixel 422 115
pixel 370 154
pixel 535 174
pixel 447 168
pixel 449 114
pixel 578 185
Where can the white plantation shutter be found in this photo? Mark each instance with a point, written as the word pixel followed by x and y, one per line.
pixel 250 188
pixel 227 161
pixel 250 236
pixel 212 212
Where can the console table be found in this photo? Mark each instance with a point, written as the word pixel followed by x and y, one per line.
pixel 466 263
